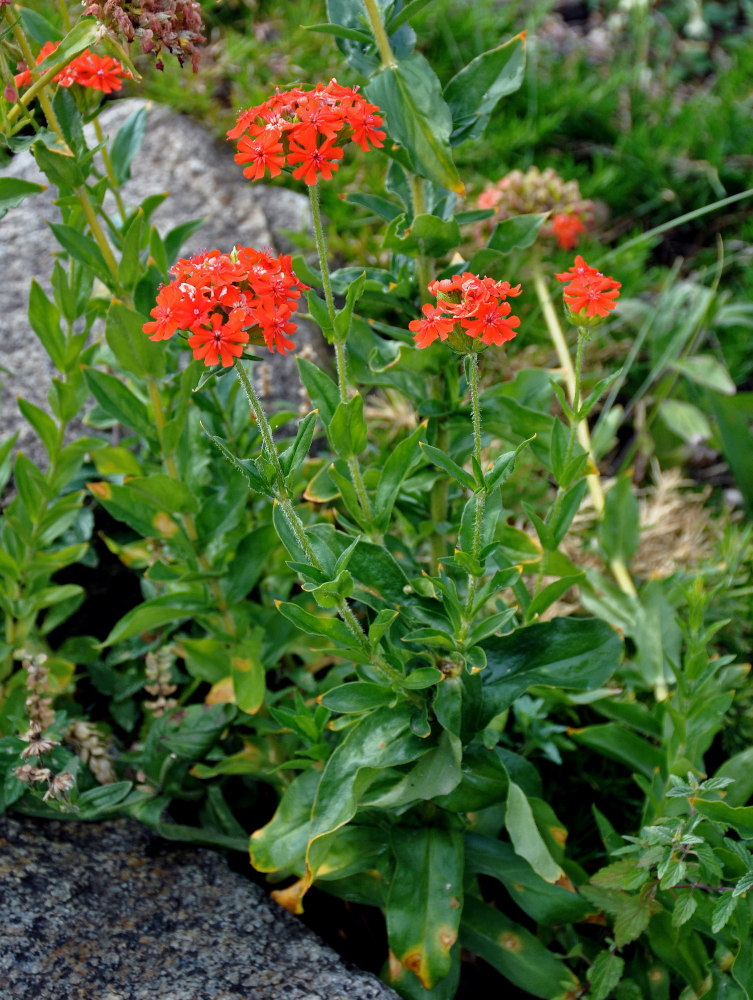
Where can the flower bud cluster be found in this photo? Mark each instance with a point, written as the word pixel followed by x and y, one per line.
pixel 174 25
pixel 470 311
pixel 307 128
pixel 535 191
pixel 87 70
pixel 222 300
pixel 158 673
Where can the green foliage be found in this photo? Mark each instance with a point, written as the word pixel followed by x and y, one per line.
pixel 365 614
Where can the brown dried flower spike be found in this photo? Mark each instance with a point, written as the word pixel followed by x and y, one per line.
pixel 174 25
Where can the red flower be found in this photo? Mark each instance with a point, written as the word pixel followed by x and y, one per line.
pixel 579 270
pixel 479 304
pixel 567 226
pixel 220 343
pixel 434 324
pixel 314 159
pixel 492 324
pixel 221 299
pixel 263 151
pixel 589 297
pixel 305 127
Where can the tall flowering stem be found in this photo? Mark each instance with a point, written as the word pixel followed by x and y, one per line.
pixel 588 297
pixel 472 363
pixel 340 359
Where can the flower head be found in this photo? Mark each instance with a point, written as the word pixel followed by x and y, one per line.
pixel 306 129
pixel 469 308
pixel 223 300
pixel 566 227
pixel 589 295
pixel 87 70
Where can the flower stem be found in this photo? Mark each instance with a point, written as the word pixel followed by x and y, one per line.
pixel 340 358
pixel 481 495
pixel 380 35
pixel 619 570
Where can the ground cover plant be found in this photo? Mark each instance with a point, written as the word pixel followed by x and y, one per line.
pixel 350 647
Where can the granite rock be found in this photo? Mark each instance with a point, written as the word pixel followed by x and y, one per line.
pixel 177 155
pixel 108 911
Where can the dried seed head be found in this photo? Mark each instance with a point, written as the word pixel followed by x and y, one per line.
pixel 60 785
pixel 174 25
pixel 87 743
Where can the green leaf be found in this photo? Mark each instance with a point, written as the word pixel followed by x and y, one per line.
pixel 83 249
pixel 685 420
pixel 620 744
pixel 198 729
pixel 619 529
pixel 347 430
pixel 13 190
pixel 322 391
pixel 130 266
pixel 58 166
pixel 345 315
pixel 43 424
pixel 170 609
pixel 504 466
pixel 293 457
pixel 127 143
pixel 399 463
pixel 520 232
pixel 551 593
pixel 448 465
pixel 281 844
pixel 434 775
pixel 44 317
pixel 379 206
pixel 119 402
pixel 402 17
pixel 339 31
pixel 572 653
pixel 82 35
pixel 381 739
pixel 731 414
pixel 473 93
pixel 706 370
pixel 410 97
pixel 425 900
pixel 104 797
pixel 542 901
pixel 513 951
pixel 525 836
pixel 740 819
pixel 247 671
pixel 357 696
pixel 426 235
pixel 722 912
pixel 684 909
pixel 330 628
pixel 605 974
pixel 133 350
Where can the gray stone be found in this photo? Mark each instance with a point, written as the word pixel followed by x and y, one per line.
pixel 107 911
pixel 178 156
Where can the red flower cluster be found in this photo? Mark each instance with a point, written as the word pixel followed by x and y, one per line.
pixel 478 304
pixel 87 70
pixel 589 294
pixel 221 298
pixel 305 127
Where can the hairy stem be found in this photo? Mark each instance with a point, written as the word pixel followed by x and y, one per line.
pixel 380 35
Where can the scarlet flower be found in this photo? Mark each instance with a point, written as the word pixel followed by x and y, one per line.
pixel 434 324
pixel 566 227
pixel 480 305
pixel 589 297
pixel 492 324
pixel 220 299
pixel 314 159
pixel 578 270
pixel 263 152
pixel 221 342
pixel 305 127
